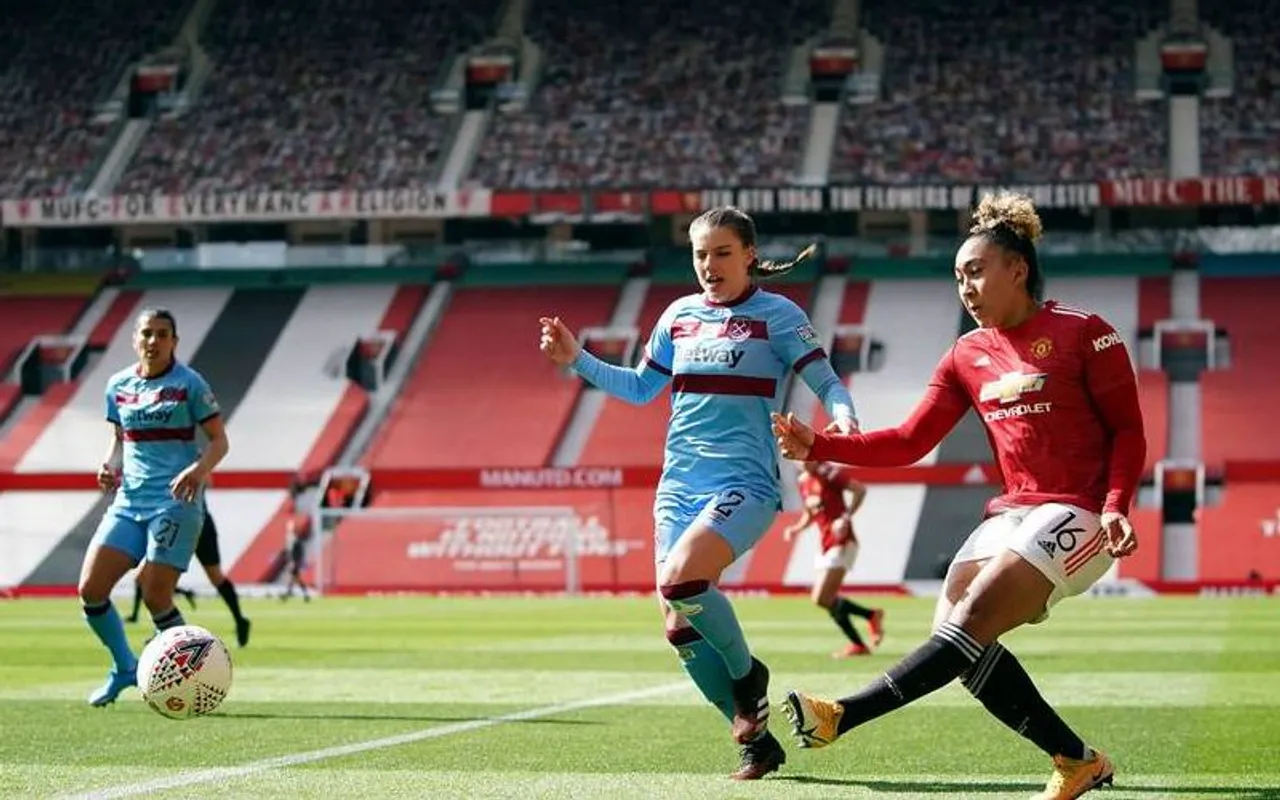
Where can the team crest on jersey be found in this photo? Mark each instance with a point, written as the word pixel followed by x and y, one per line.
pixel 737 329
pixel 1042 347
pixel 807 334
pixel 1011 386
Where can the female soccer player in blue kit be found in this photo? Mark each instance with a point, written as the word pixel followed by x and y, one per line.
pixel 726 352
pixel 158 473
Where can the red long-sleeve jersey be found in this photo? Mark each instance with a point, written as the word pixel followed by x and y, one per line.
pixel 1059 401
pixel 829 486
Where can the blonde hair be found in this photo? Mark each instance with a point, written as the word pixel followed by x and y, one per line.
pixel 1016 211
pixel 1009 220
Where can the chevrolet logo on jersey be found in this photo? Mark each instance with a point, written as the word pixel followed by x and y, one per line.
pixel 1011 386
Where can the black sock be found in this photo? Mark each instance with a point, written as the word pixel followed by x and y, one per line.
pixel 843 622
pixel 932 665
pixel 1000 683
pixel 847 607
pixel 168 619
pixel 228 591
pixel 137 600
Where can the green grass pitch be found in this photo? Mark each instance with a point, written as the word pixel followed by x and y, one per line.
pixel 554 697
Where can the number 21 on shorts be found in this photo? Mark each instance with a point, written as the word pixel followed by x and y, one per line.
pixel 164 531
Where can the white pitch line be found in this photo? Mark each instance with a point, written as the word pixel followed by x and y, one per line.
pixel 310 756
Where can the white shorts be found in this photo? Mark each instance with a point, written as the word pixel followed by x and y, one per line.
pixel 841 556
pixel 1062 541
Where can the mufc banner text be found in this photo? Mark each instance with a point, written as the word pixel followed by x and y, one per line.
pixel 156 209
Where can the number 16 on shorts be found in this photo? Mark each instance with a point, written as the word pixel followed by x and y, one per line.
pixel 1071 540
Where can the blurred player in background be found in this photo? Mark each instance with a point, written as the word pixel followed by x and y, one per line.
pixel 296 534
pixel 822 490
pixel 1056 391
pixel 158 474
pixel 726 352
pixel 210 557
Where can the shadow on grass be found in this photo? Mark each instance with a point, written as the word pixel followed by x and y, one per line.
pixel 1001 787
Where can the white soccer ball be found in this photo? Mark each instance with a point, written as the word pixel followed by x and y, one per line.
pixel 184 672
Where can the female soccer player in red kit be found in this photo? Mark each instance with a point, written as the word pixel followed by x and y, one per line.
pixel 822 488
pixel 1056 392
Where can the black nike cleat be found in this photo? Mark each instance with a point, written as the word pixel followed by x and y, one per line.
pixel 242 631
pixel 759 758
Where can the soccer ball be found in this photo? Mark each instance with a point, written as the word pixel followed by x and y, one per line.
pixel 184 672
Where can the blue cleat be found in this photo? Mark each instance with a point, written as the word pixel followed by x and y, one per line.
pixel 117 682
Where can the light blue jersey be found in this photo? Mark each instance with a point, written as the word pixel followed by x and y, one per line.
pixel 158 418
pixel 727 365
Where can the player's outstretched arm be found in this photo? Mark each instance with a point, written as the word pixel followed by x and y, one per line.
pixel 831 392
pixel 637 386
pixel 902 446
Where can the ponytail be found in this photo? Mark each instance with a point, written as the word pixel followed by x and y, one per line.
pixel 766 270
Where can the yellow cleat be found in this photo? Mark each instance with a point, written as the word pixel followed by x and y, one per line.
pixel 814 721
pixel 1072 777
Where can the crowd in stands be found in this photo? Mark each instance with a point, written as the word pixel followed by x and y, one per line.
pixel 58 60
pixel 1241 134
pixel 329 94
pixel 318 94
pixel 660 93
pixel 988 90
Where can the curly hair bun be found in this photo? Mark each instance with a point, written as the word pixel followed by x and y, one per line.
pixel 1015 211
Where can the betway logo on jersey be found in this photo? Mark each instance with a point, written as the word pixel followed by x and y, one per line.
pixel 153 416
pixel 714 355
pixel 1103 342
pixel 1011 386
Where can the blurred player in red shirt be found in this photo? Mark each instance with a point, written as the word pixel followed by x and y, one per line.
pixel 1056 391
pixel 823 489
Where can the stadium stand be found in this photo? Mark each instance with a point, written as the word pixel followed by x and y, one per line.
pixel 1238 134
pixel 1054 101
pixel 478 386
pixel 1233 542
pixel 327 95
pixel 1239 401
pixel 653 95
pixel 22 318
pixel 57 59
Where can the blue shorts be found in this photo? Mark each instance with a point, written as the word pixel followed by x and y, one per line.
pixel 165 535
pixel 741 519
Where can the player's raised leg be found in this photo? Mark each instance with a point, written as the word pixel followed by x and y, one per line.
pixel 116 548
pixel 1007 592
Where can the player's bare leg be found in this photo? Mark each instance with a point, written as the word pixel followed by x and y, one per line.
pixel 826 595
pixel 102 569
pixel 159 584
